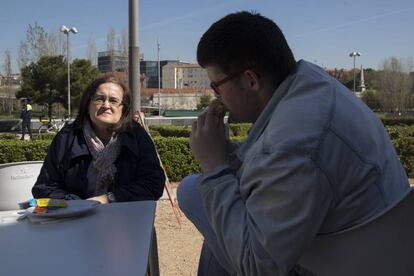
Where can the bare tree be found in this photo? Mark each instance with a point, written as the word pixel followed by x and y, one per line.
pixel 110 46
pixel 123 49
pixel 36 39
pixel 7 63
pixel 394 83
pixel 55 44
pixel 38 43
pixel 23 55
pixel 410 70
pixel 8 72
pixel 33 46
pixel 91 53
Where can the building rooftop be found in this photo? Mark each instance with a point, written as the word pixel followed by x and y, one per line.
pixel 177 90
pixel 181 65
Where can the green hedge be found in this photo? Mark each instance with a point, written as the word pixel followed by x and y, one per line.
pixel 403 140
pixel 398 121
pixel 176 155
pixel 239 130
pixel 17 151
pixel 236 130
pixel 171 131
pixel 8 136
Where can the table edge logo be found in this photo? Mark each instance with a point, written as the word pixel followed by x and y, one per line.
pixel 21 174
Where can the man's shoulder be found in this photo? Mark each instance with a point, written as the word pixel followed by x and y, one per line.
pixel 300 118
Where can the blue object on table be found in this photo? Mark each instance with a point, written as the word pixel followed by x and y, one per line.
pixel 24 205
pixel 33 202
pixel 28 203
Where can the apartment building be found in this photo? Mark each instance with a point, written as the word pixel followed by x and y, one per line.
pixel 117 62
pixel 149 69
pixel 184 76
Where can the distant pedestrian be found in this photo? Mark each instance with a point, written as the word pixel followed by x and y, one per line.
pixel 26 116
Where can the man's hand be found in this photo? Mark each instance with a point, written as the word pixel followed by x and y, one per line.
pixel 208 142
pixel 103 199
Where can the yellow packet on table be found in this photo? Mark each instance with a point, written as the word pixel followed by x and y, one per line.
pixel 51 202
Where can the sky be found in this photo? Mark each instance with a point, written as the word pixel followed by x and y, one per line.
pixel 321 31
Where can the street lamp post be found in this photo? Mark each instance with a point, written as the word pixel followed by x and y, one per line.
pixel 159 78
pixel 66 31
pixel 354 55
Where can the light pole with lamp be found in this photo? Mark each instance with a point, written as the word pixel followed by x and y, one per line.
pixel 66 31
pixel 354 55
pixel 159 78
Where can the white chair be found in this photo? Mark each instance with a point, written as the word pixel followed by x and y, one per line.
pixel 16 182
pixel 382 246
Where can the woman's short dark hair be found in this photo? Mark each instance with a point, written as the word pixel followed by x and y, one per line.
pixel 247 40
pixel 126 117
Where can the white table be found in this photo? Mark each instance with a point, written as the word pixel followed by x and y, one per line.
pixel 114 239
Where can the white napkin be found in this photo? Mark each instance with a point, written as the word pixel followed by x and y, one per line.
pixel 11 216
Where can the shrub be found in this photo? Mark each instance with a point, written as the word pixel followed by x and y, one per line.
pixel 8 136
pixel 45 136
pixel 172 131
pixel 236 130
pixel 239 129
pixel 154 133
pixel 17 151
pixel 176 156
pixel 397 121
pixel 403 140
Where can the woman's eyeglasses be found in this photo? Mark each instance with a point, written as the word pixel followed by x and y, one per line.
pixel 100 100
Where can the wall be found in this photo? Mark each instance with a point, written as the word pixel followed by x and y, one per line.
pixel 178 100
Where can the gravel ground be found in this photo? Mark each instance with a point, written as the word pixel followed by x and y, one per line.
pixel 178 247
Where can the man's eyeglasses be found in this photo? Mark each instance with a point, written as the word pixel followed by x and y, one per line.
pixel 100 100
pixel 215 85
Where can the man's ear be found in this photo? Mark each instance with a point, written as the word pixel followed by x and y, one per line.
pixel 252 79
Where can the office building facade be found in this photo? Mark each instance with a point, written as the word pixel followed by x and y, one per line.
pixel 184 76
pixel 149 69
pixel 117 62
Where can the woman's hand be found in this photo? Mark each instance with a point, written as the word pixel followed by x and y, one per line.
pixel 103 199
pixel 208 141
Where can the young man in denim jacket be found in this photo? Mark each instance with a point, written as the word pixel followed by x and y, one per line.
pixel 316 160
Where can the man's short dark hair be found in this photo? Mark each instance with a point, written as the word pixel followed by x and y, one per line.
pixel 247 40
pixel 126 117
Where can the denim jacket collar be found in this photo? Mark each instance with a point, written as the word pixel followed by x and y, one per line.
pixel 258 127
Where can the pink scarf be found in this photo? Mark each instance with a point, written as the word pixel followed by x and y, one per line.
pixel 103 156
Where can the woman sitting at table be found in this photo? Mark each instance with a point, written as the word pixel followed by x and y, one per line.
pixel 104 155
